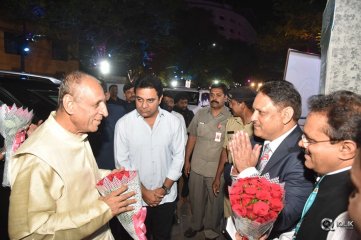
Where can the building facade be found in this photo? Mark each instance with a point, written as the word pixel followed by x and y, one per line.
pixel 229 23
pixel 45 56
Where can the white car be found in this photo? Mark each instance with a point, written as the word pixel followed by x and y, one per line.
pixel 196 98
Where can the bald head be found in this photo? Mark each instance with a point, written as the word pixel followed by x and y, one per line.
pixel 81 104
pixel 72 84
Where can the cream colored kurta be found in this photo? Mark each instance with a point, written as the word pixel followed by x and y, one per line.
pixel 53 177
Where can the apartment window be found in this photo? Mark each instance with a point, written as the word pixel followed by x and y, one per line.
pixel 12 43
pixel 60 50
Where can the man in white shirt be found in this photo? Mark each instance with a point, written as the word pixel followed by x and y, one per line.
pixel 151 141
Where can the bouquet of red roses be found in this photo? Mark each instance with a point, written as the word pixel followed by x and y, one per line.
pixel 13 124
pixel 132 221
pixel 256 202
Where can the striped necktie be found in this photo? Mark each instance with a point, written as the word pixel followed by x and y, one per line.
pixel 265 157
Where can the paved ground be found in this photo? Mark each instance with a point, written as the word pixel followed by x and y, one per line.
pixel 184 215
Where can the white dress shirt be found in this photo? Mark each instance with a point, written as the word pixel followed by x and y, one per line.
pixel 156 153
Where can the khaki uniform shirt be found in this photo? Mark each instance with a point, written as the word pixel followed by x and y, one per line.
pixel 235 124
pixel 210 133
pixel 53 196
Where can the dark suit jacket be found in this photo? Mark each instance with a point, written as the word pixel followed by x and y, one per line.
pixel 287 163
pixel 331 200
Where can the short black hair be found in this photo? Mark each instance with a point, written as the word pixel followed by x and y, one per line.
pixel 111 86
pixel 283 94
pixel 343 111
pixel 180 96
pixel 149 81
pixel 127 86
pixel 221 86
pixel 167 94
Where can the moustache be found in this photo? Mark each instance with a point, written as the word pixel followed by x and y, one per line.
pixel 214 101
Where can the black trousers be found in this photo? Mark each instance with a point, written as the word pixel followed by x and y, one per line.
pixel 159 221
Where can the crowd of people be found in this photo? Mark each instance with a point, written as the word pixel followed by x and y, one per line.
pixel 242 133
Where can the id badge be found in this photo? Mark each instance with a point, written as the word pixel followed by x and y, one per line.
pixel 218 137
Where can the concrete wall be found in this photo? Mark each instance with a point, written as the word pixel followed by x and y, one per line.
pixel 341 46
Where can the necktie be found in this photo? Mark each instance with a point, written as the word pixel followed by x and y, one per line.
pixel 265 157
pixel 307 206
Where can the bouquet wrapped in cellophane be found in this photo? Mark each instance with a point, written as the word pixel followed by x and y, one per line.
pixel 13 124
pixel 132 221
pixel 256 202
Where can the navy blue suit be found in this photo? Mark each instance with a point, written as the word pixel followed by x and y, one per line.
pixel 287 163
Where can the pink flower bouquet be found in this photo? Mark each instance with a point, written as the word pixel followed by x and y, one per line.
pixel 256 202
pixel 13 124
pixel 132 221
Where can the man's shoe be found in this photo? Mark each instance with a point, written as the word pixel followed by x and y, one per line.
pixel 191 232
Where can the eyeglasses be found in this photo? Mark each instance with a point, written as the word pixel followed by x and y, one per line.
pixel 306 142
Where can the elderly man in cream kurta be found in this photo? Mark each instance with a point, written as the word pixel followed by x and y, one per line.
pixel 54 173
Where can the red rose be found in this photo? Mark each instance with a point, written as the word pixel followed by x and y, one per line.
pixel 263 195
pixel 276 204
pixel 250 190
pixel 260 208
pixel 245 201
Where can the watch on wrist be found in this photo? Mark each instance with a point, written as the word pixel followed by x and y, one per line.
pixel 166 190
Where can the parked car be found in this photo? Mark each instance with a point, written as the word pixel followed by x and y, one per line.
pixel 196 98
pixel 36 92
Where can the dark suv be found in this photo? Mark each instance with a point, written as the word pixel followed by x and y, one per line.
pixel 35 92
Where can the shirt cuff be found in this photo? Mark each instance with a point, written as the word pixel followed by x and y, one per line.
pixel 251 171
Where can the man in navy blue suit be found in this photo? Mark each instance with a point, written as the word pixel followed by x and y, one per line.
pixel 277 108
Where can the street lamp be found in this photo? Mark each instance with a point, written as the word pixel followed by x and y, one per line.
pixel 174 83
pixel 104 67
pixel 216 81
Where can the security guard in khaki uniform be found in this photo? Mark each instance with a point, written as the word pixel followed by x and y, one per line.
pixel 206 137
pixel 240 102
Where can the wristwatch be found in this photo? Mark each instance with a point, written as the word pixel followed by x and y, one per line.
pixel 166 190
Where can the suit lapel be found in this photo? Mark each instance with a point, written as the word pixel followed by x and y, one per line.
pixel 288 145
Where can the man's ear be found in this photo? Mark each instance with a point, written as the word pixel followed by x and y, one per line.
pixel 347 150
pixel 287 114
pixel 68 103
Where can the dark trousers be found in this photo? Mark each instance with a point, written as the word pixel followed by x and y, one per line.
pixel 4 206
pixel 118 231
pixel 159 221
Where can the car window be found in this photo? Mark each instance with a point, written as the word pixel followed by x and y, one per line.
pixel 42 102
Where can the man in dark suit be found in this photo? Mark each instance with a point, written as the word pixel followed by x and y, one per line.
pixel 330 143
pixel 277 108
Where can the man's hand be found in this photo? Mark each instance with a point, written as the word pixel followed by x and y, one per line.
pixel 118 201
pixel 187 167
pixel 215 186
pixel 242 153
pixel 153 197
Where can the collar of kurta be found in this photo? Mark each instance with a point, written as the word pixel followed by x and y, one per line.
pixel 60 130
